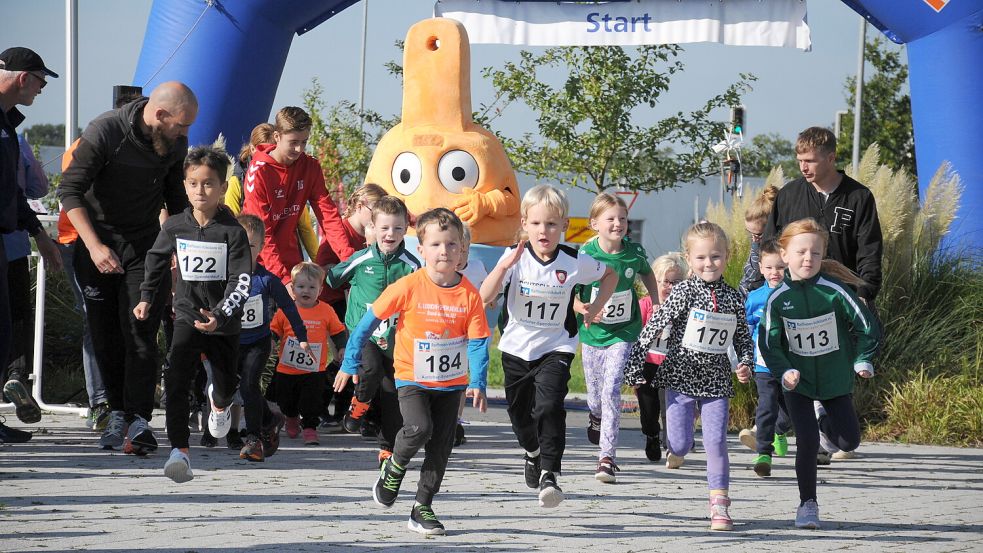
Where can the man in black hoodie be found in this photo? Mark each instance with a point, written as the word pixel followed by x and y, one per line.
pixel 126 169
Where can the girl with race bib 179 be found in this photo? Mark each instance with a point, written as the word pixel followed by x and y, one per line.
pixel 707 318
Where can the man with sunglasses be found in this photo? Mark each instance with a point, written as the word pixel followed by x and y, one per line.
pixel 126 169
pixel 22 76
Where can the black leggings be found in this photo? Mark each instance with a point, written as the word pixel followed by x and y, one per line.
pixel 840 425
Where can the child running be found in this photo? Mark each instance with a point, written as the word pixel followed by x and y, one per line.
pixel 540 336
pixel 441 348
pixel 266 294
pixel 473 270
pixel 771 417
pixel 703 311
pixel 606 343
pixel 815 334
pixel 212 287
pixel 300 372
pixel 669 270
pixel 370 271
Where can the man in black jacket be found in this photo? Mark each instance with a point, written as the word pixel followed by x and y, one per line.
pixel 127 167
pixel 22 76
pixel 840 204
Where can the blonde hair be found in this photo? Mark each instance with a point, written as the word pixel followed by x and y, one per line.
pixel 604 202
pixel 253 225
pixel 309 270
pixel 292 119
pixel 444 218
pixel 829 266
pixel 665 263
pixel 365 194
pixel 707 231
pixel 818 139
pixel 553 198
pixel 761 207
pixel 262 134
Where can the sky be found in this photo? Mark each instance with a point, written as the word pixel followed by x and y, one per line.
pixel 794 90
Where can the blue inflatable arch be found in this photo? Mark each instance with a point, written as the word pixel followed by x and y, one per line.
pixel 211 45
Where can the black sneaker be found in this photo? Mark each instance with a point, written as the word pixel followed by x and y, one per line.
pixel 233 439
pixel 550 494
pixel 424 521
pixel 28 410
pixel 593 429
pixel 532 470
pixel 10 435
pixel 270 435
pixel 459 437
pixel 387 487
pixel 370 430
pixel 207 440
pixel 653 449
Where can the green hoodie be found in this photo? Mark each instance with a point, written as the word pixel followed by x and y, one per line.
pixel 370 271
pixel 819 328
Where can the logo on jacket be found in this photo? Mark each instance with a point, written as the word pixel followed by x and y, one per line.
pixel 369 270
pixel 280 194
pixel 92 293
pixel 561 276
pixel 842 218
pixel 629 272
pixel 786 305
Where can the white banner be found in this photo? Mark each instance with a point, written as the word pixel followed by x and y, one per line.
pixel 779 23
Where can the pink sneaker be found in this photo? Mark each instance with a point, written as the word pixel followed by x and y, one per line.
pixel 719 518
pixel 292 427
pixel 310 437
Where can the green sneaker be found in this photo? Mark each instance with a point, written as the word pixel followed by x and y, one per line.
pixel 762 465
pixel 781 445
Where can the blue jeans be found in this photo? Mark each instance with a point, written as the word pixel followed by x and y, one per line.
pixel 93 377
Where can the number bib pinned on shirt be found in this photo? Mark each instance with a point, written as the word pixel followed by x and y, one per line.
pixel 812 337
pixel 618 307
pixel 201 261
pixel 440 359
pixel 709 332
pixel 384 325
pixel 252 313
pixel 540 306
pixel 296 358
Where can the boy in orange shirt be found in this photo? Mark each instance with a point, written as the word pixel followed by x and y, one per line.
pixel 441 349
pixel 300 372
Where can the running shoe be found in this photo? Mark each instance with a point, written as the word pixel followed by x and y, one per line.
pixel 252 450
pixel 593 429
pixel 550 494
pixel 140 439
pixel 353 418
pixel 207 440
pixel 719 517
pixel 387 487
pixel 674 461
pixel 99 416
pixel 310 436
pixel 762 465
pixel 233 439
pixel 178 467
pixel 841 455
pixel 459 437
pixel 780 443
pixel 653 448
pixel 383 455
pixel 219 422
pixel 807 515
pixel 28 410
pixel 424 521
pixel 605 471
pixel 270 435
pixel 531 470
pixel 823 457
pixel 10 435
pixel 749 437
pixel 370 430
pixel 293 427
pixel 114 434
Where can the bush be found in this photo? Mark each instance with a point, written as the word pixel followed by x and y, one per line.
pixel 933 409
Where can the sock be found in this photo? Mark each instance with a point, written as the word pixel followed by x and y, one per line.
pixel 722 492
pixel 533 454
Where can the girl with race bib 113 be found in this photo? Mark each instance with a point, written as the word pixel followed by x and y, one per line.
pixel 707 318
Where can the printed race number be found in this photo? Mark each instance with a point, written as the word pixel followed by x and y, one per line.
pixel 540 306
pixel 252 313
pixel 812 337
pixel 709 332
pixel 618 307
pixel 384 325
pixel 201 261
pixel 296 358
pixel 440 359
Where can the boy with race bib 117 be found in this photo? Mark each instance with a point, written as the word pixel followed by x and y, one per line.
pixel 540 336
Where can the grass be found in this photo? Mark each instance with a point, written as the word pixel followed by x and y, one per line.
pixel 496 379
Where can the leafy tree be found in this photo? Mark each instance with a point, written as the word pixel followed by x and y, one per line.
pixel 886 109
pixel 589 136
pixel 46 134
pixel 766 152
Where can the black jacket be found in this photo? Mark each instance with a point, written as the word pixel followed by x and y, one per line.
pixel 849 215
pixel 224 294
pixel 15 214
pixel 118 177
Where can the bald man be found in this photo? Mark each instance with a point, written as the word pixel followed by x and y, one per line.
pixel 127 167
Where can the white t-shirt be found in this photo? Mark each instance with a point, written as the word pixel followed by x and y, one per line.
pixel 475 272
pixel 539 299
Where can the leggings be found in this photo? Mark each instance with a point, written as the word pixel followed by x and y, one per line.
pixel 604 371
pixel 680 414
pixel 840 425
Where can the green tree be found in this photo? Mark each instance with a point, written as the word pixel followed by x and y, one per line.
pixel 588 131
pixel 46 134
pixel 766 152
pixel 886 109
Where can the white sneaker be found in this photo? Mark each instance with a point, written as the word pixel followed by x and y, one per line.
pixel 749 438
pixel 824 442
pixel 674 461
pixel 843 455
pixel 807 515
pixel 219 423
pixel 178 467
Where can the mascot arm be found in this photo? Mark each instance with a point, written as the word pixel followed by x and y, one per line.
pixel 474 205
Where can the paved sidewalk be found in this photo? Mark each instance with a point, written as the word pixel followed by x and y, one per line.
pixel 60 493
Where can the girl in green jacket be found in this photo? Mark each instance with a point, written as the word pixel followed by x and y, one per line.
pixel 815 334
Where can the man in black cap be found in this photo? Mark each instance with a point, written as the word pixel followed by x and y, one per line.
pixel 22 76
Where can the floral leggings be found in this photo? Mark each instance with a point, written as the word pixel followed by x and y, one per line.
pixel 604 371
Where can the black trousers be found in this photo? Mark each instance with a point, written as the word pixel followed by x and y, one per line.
pixel 650 408
pixel 183 365
pixel 343 398
pixel 252 363
pixel 429 421
pixel 771 416
pixel 301 395
pixel 125 348
pixel 385 394
pixel 840 425
pixel 535 391
pixel 18 362
pixel 5 332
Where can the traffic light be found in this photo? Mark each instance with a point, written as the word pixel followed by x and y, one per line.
pixel 737 120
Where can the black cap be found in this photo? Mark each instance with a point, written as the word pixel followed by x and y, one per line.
pixel 24 59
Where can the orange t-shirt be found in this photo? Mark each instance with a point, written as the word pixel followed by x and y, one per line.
pixel 434 327
pixel 322 323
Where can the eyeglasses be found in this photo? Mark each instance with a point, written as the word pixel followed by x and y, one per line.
pixel 755 235
pixel 44 83
pixel 670 282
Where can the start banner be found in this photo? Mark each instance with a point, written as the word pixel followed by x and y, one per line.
pixel 780 23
